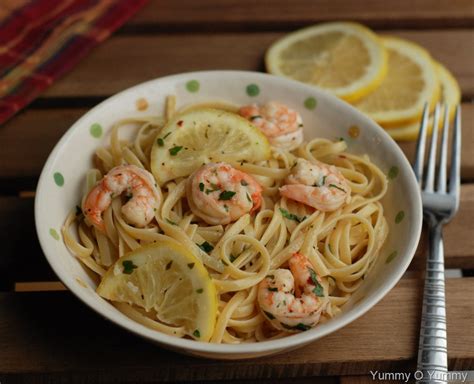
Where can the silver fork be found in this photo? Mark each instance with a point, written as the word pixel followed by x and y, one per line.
pixel 440 204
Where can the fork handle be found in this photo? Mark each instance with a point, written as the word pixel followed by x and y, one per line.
pixel 433 352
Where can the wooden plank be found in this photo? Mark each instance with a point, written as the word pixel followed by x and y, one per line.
pixel 283 15
pixel 39 286
pixel 34 131
pixel 53 344
pixel 23 261
pixel 21 258
pixel 69 378
pixel 38 130
pixel 135 59
pixel 457 377
pixel 369 379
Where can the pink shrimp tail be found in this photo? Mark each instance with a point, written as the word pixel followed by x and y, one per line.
pixel 256 198
pixel 248 111
pixel 299 265
pixel 90 208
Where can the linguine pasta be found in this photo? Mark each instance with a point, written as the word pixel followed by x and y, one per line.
pixel 341 245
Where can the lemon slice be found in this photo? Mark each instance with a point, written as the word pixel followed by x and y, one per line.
pixel 167 278
pixel 450 94
pixel 411 81
pixel 346 59
pixel 205 135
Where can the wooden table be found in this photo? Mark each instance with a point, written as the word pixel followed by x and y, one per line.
pixel 47 335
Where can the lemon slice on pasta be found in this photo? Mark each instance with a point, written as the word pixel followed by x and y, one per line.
pixel 201 136
pixel 169 281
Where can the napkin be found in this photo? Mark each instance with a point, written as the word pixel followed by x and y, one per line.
pixel 40 40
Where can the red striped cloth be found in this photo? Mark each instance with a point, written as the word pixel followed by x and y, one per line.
pixel 40 40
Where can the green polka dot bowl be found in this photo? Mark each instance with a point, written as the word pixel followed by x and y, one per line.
pixel 61 187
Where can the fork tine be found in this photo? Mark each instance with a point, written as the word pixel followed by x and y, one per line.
pixel 455 171
pixel 444 152
pixel 420 145
pixel 429 182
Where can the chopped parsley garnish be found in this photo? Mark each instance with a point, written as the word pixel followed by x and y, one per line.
pixel 197 334
pixel 168 266
pixel 232 258
pixel 299 326
pixel 226 195
pixel 174 151
pixel 214 187
pixel 255 117
pixel 171 222
pixel 128 266
pixel 249 198
pixel 335 186
pixel 341 138
pixel 269 315
pixel 201 187
pixel 161 141
pixel 78 211
pixel 270 276
pixel 206 247
pixel 318 290
pixel 200 290
pixel 191 265
pixel 244 183
pixel 290 216
pixel 273 289
pixel 314 277
pixel 302 327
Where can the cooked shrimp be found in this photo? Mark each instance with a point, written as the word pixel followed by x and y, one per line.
pixel 220 194
pixel 282 125
pixel 140 188
pixel 292 300
pixel 318 185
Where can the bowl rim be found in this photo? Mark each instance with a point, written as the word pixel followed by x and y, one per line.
pixel 266 347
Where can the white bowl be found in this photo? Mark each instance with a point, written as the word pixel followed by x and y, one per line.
pixel 61 186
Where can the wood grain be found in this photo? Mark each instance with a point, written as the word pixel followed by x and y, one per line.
pixel 38 130
pixel 53 343
pixel 16 225
pixel 123 61
pixel 366 379
pixel 284 15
